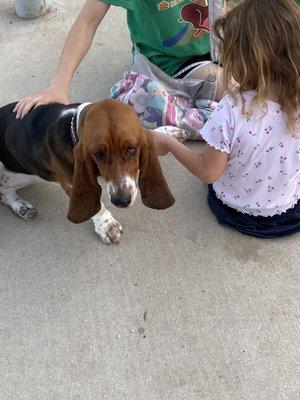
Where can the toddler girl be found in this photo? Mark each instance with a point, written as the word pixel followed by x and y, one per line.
pixel 252 156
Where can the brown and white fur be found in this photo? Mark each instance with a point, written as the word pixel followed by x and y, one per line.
pixel 112 146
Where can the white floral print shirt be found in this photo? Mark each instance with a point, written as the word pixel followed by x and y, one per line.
pixel 262 176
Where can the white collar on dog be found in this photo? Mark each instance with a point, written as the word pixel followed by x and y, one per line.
pixel 74 125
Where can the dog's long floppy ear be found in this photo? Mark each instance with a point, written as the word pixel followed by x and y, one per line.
pixel 154 189
pixel 86 192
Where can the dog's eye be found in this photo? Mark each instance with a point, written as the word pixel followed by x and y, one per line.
pixel 130 151
pixel 100 155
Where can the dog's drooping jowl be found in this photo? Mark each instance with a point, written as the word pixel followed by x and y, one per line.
pixel 76 146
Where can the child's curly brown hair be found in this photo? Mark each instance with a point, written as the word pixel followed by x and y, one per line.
pixel 260 50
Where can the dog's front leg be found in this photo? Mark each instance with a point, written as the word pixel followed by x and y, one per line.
pixel 107 227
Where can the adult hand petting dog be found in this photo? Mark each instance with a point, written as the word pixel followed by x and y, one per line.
pixel 50 95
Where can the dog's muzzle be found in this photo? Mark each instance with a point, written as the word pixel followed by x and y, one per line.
pixel 123 193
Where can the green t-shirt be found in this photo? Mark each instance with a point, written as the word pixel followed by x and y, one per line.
pixel 170 32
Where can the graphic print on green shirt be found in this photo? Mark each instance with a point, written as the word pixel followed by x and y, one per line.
pixel 168 32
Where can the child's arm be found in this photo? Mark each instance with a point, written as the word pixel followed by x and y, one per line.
pixel 207 166
pixel 218 132
pixel 76 46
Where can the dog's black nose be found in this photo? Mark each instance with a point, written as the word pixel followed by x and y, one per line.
pixel 121 201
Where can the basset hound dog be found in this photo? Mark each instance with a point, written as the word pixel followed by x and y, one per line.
pixel 76 146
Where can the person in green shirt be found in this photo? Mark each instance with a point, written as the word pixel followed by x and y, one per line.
pixel 172 34
pixel 168 33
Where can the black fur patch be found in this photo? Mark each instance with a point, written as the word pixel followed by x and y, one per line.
pixel 26 144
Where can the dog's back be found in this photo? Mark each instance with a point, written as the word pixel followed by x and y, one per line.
pixel 23 141
pixel 6 158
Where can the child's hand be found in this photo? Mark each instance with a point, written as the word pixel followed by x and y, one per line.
pixel 173 131
pixel 163 135
pixel 161 143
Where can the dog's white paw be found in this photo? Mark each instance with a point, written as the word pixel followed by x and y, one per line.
pixel 24 209
pixel 27 212
pixel 108 229
pixel 177 133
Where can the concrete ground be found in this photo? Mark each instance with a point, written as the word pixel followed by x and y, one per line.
pixel 182 309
